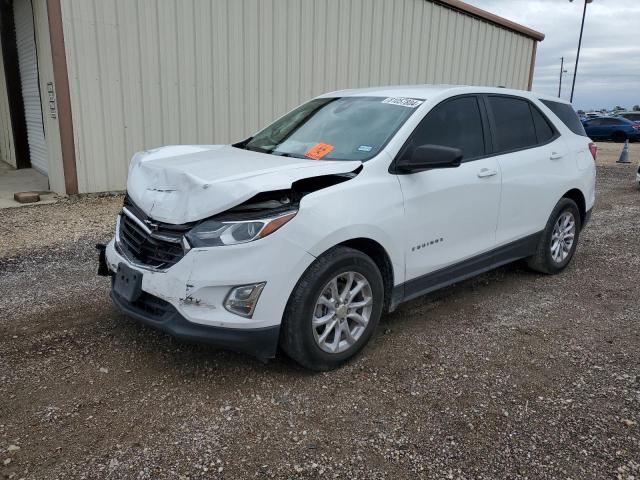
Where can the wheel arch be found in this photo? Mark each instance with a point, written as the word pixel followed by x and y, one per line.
pixel 577 196
pixel 380 257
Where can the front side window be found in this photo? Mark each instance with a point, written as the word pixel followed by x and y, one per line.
pixel 513 123
pixel 343 128
pixel 454 123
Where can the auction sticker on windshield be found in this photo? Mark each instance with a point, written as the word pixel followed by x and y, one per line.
pixel 404 102
pixel 318 151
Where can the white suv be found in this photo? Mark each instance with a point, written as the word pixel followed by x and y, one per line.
pixel 304 234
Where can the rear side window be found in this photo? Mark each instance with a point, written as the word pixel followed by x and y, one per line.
pixel 566 114
pixel 544 131
pixel 454 123
pixel 514 127
pixel 614 121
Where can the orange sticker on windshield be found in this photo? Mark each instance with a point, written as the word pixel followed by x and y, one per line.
pixel 319 151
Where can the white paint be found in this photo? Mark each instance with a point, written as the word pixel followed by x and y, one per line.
pixel 183 184
pixel 453 206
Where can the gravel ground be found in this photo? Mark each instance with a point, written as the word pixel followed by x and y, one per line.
pixel 509 375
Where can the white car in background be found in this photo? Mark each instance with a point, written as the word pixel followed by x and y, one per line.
pixel 303 235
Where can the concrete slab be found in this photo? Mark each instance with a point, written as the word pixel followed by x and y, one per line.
pixel 24 180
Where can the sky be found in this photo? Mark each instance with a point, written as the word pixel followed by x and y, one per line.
pixel 609 65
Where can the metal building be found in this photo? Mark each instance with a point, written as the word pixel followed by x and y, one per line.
pixel 87 83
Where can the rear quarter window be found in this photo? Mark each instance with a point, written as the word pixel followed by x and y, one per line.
pixel 566 115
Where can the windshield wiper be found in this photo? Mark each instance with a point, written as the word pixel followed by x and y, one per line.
pixel 285 154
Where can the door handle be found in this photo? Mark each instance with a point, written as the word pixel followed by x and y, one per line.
pixel 556 156
pixel 487 172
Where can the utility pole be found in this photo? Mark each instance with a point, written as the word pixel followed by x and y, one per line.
pixel 562 72
pixel 575 70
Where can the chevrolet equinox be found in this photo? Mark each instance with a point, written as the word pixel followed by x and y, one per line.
pixel 303 235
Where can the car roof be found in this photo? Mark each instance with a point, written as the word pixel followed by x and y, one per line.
pixel 427 92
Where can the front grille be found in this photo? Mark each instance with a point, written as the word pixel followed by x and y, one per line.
pixel 149 306
pixel 160 249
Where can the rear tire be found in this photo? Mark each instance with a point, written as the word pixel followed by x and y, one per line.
pixel 619 136
pixel 314 301
pixel 554 252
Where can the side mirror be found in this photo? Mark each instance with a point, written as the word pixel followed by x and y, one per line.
pixel 426 157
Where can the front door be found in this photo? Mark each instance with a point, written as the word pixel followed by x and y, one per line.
pixel 451 213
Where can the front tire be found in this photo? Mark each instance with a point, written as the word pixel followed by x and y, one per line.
pixel 559 239
pixel 333 310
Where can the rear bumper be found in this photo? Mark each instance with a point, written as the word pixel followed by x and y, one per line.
pixel 154 312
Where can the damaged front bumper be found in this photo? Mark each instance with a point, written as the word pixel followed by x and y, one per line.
pixel 154 312
pixel 187 299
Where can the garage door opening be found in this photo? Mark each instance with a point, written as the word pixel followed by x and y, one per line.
pixel 30 85
pixel 22 136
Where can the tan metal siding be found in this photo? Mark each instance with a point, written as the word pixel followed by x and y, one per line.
pixel 145 73
pixel 45 71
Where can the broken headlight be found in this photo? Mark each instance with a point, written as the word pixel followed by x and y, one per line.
pixel 214 233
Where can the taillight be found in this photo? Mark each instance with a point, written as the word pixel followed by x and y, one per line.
pixel 636 126
pixel 593 148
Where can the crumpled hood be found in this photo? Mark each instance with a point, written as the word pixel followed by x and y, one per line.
pixel 181 184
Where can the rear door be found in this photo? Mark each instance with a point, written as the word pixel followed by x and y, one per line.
pixel 450 213
pixel 595 129
pixel 534 160
pixel 612 125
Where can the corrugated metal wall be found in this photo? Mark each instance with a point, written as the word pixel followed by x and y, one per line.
pixel 7 150
pixel 45 74
pixel 145 73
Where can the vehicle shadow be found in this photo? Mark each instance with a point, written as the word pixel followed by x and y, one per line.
pixel 188 358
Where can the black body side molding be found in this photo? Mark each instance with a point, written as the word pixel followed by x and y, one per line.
pixel 484 262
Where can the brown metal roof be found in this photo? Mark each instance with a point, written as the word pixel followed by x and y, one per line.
pixel 490 17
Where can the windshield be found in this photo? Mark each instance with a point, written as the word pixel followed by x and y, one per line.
pixel 344 128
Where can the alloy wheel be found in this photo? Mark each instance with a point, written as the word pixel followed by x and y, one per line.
pixel 342 312
pixel 562 237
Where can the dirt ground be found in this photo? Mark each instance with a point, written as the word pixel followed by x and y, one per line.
pixel 509 375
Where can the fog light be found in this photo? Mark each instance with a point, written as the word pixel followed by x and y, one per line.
pixel 242 300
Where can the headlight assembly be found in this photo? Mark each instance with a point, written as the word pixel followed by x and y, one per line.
pixel 214 233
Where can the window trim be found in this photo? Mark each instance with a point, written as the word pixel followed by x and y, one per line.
pixel 488 144
pixel 556 133
pixel 493 129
